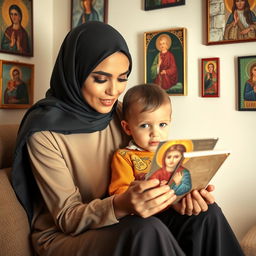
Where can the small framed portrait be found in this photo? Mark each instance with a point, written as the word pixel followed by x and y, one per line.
pixel 156 4
pixel 16 30
pixel 17 84
pixel 247 83
pixel 210 77
pixel 165 60
pixel 87 10
pixel 231 21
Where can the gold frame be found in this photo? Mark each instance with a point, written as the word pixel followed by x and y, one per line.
pixel 10 97
pixel 176 40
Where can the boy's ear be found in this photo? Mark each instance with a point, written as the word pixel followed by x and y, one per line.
pixel 126 128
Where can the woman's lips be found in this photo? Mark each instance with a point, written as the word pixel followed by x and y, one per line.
pixel 107 102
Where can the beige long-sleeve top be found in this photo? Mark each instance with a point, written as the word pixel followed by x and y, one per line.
pixel 73 174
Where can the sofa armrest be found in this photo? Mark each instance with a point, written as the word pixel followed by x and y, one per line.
pixel 15 230
pixel 248 243
pixel 8 134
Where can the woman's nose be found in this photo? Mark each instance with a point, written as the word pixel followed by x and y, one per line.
pixel 112 88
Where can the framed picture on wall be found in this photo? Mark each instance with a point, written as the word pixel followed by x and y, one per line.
pixel 156 4
pixel 16 32
pixel 210 72
pixel 165 60
pixel 87 10
pixel 247 83
pixel 231 21
pixel 17 84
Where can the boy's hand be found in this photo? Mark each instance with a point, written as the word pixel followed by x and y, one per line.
pixel 195 202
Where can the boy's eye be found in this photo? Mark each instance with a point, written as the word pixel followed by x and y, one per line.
pixel 163 124
pixel 99 80
pixel 144 125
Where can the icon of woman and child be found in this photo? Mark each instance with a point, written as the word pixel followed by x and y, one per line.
pixel 16 91
pixel 169 157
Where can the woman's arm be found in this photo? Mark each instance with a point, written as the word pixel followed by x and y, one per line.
pixel 61 194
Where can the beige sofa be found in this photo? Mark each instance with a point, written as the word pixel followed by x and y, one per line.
pixel 14 226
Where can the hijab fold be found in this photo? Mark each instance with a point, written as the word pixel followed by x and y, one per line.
pixel 64 109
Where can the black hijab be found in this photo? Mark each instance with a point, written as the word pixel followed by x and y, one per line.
pixel 64 109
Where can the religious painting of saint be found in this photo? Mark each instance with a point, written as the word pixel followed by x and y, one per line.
pixel 234 23
pixel 156 4
pixel 17 84
pixel 165 60
pixel 247 83
pixel 87 10
pixel 210 77
pixel 16 33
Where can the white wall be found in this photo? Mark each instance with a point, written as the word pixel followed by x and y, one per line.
pixel 194 117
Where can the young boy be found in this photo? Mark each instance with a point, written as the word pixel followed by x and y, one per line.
pixel 147 115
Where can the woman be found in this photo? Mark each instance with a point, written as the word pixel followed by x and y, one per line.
pixel 180 182
pixel 241 23
pixel 250 85
pixel 210 79
pixel 89 13
pixel 15 38
pixel 69 138
pixel 16 91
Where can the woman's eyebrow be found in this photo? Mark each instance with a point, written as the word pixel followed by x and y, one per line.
pixel 108 74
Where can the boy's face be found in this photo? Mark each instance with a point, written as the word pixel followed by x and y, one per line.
pixel 148 128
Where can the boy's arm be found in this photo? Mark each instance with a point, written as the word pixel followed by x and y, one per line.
pixel 122 173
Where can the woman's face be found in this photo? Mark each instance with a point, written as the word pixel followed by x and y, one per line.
pixel 254 71
pixel 106 82
pixel 15 17
pixel 172 158
pixel 240 4
pixel 16 75
pixel 87 4
pixel 210 68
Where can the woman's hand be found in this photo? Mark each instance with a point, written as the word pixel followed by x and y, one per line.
pixel 195 202
pixel 143 198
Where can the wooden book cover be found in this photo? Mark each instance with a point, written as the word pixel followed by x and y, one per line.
pixel 176 163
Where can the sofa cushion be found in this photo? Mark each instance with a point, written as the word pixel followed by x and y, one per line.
pixel 15 231
pixel 249 242
pixel 7 142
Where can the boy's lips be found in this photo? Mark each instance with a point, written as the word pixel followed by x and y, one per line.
pixel 154 143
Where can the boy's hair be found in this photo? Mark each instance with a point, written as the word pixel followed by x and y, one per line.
pixel 149 96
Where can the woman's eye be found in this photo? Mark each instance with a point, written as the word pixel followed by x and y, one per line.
pixel 122 79
pixel 144 125
pixel 99 80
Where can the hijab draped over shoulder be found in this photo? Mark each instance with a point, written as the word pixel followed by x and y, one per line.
pixel 64 109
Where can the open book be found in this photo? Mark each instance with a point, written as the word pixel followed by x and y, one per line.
pixel 186 165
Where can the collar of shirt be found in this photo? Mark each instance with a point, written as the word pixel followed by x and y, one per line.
pixel 133 146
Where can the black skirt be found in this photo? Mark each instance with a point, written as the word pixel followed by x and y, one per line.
pixel 166 234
